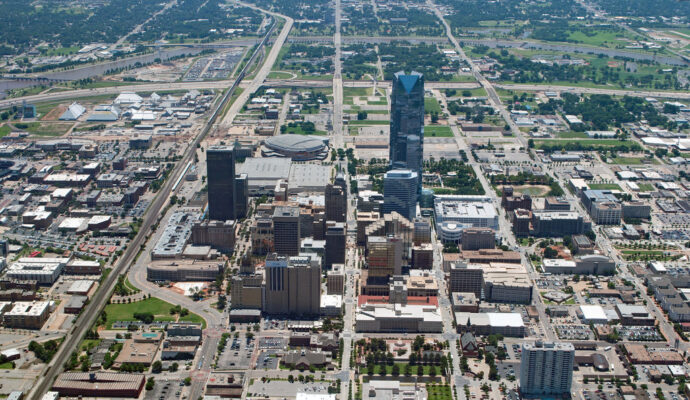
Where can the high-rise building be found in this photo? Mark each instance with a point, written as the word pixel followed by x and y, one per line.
pixel 478 238
pixel 293 285
pixel 466 278
pixel 220 171
pixel 286 230
pixel 247 292
pixel 336 238
pixel 546 368
pixel 406 148
pixel 336 202
pixel 400 192
pixel 385 255
pixel 241 195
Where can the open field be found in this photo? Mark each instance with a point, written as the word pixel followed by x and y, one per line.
pixel 159 308
pixel 437 131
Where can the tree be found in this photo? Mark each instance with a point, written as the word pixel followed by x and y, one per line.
pixel 150 383
pixel 187 381
pixel 174 367
pixel 157 367
pixel 362 115
pixel 395 371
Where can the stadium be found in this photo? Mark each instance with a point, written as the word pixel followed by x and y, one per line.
pixel 296 147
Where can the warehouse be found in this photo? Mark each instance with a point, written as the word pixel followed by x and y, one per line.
pixel 592 314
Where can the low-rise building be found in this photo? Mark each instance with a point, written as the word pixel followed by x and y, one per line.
pixel 43 270
pixel 183 270
pixel 398 318
pixel 506 324
pixel 27 315
pixel 99 384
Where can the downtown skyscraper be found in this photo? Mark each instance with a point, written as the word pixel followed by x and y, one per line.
pixel 406 148
pixel 220 165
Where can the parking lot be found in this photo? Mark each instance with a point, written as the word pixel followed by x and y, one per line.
pixel 237 354
pixel 574 332
pixel 267 360
pixel 164 389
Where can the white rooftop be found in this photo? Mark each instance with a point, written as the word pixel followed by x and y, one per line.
pixel 593 313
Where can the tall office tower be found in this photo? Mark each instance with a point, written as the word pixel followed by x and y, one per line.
pixel 464 278
pixel 336 238
pixel 478 238
pixel 247 291
pixel 336 203
pixel 293 285
pixel 400 192
pixel 220 170
pixel 384 256
pixel 546 368
pixel 241 195
pixel 406 148
pixel 286 230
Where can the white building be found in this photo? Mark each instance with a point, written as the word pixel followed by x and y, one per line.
pixel 44 270
pixel 592 314
pixel 454 213
pixel 398 318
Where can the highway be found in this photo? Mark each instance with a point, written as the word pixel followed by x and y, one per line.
pixel 92 310
pixel 265 69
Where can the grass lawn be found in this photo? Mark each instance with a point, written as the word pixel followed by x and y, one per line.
pixel 7 365
pixel 476 92
pixel 369 122
pixel 88 344
pixel 279 75
pixel 646 187
pixel 5 130
pixel 382 102
pixel 439 392
pixel 571 135
pixel 159 308
pixel 357 91
pixel 44 128
pixel 431 105
pixel 585 142
pixel 604 186
pixel 634 160
pixel 297 130
pixel 437 131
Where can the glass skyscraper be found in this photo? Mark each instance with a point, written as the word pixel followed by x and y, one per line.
pixel 406 149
